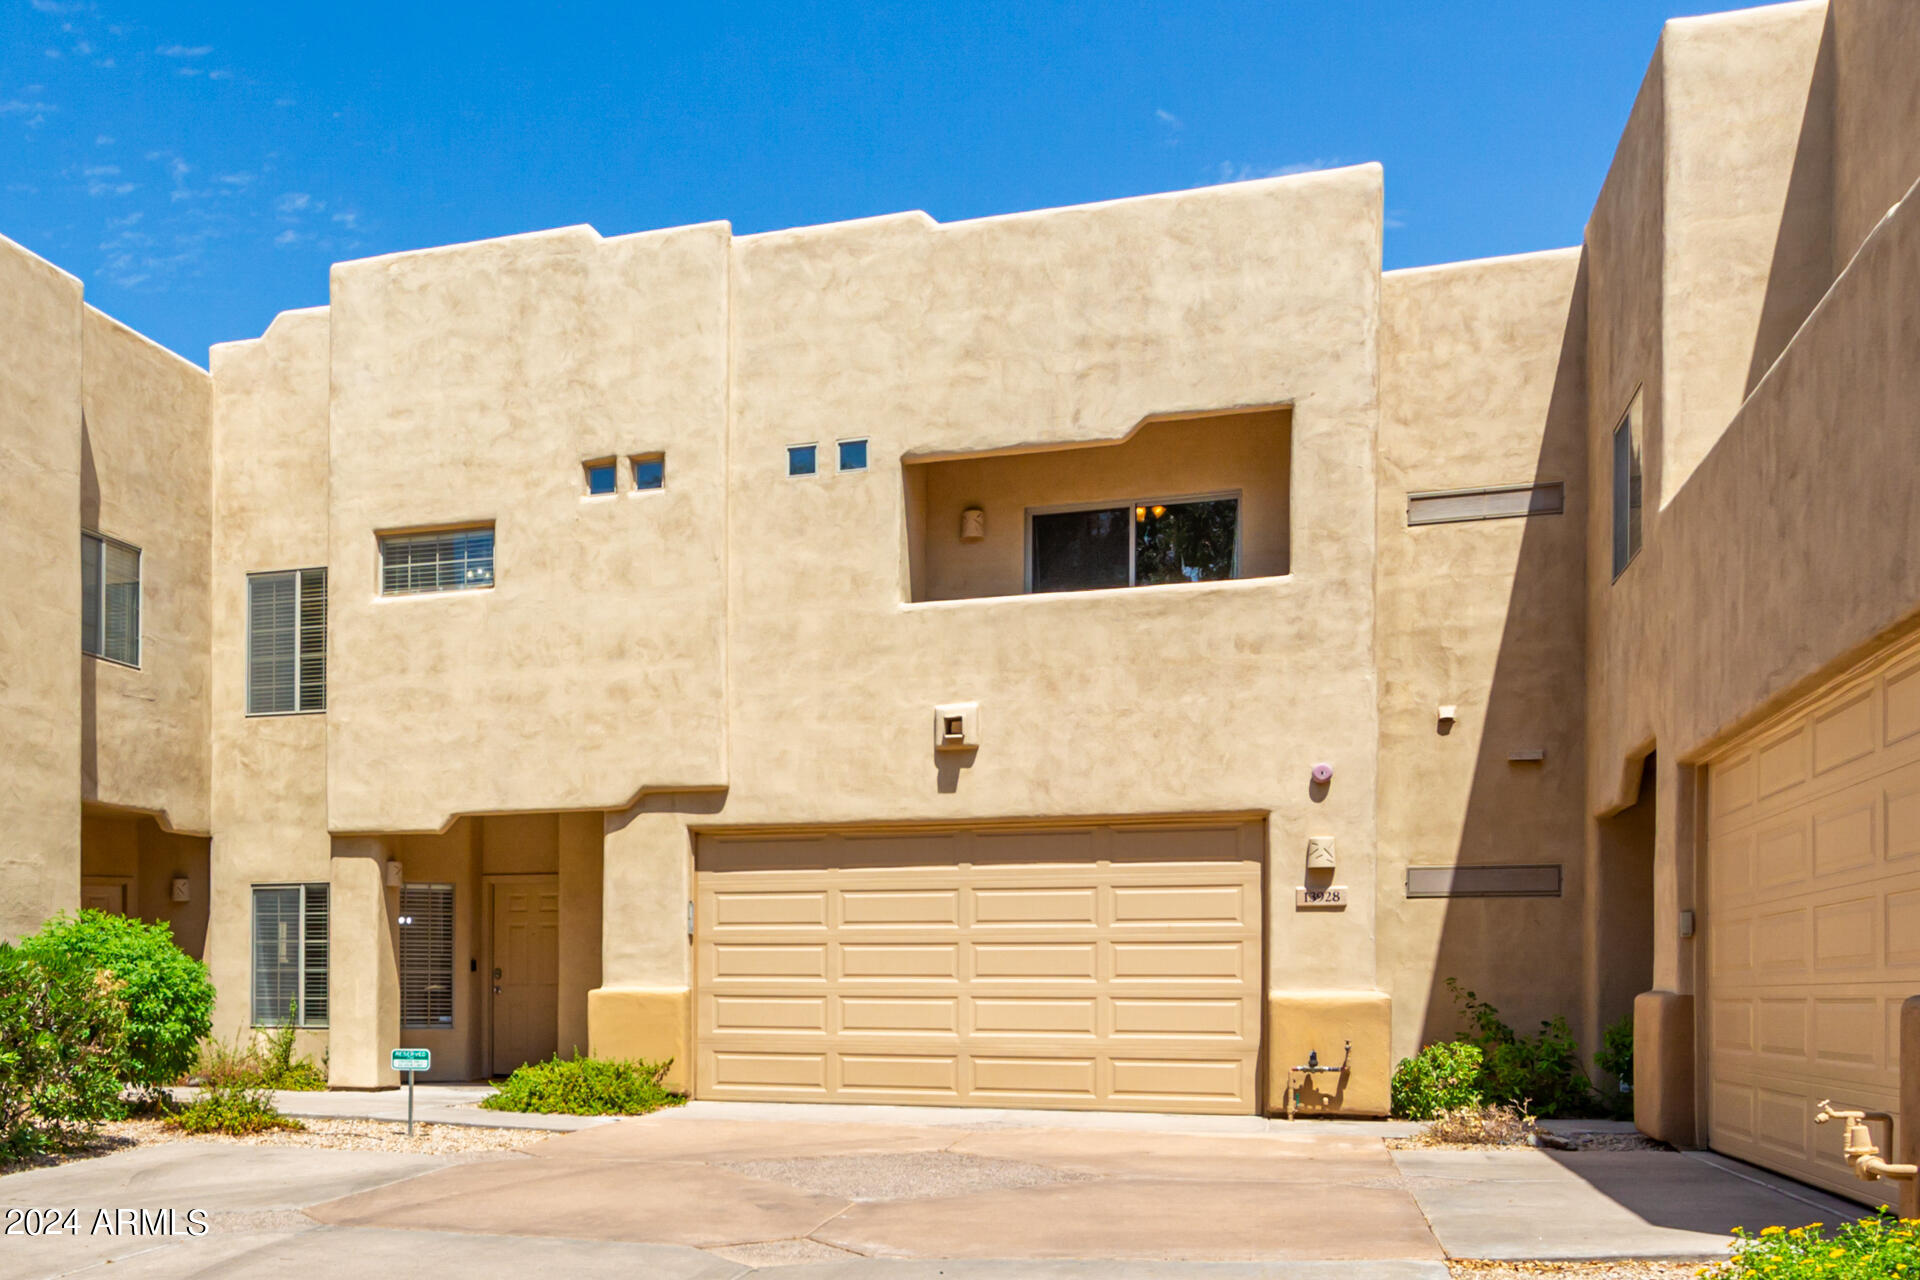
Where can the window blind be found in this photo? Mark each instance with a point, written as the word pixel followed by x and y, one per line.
pixel 426 955
pixel 109 599
pixel 286 642
pixel 446 560
pixel 290 948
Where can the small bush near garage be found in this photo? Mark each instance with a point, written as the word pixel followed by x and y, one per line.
pixel 233 1109
pixel 1615 1058
pixel 1441 1077
pixel 1882 1245
pixel 1540 1073
pixel 63 1051
pixel 168 995
pixel 586 1087
pixel 1487 1125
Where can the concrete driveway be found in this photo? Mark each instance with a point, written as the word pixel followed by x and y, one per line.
pixel 715 1191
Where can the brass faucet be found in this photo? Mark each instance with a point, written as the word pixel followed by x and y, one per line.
pixel 1863 1157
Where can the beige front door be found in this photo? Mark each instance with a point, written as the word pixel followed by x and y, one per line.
pixel 525 969
pixel 100 893
pixel 1811 919
pixel 1107 966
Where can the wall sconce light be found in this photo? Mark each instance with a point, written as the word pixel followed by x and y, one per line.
pixel 973 524
pixel 181 889
pixel 396 875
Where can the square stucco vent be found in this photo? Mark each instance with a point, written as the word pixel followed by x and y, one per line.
pixel 956 726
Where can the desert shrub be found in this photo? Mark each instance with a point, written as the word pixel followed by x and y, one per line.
pixel 1487 1125
pixel 254 1061
pixel 1615 1057
pixel 234 1109
pixel 1540 1073
pixel 586 1087
pixel 1868 1247
pixel 168 995
pixel 1439 1078
pixel 63 1037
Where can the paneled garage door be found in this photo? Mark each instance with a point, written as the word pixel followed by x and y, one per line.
pixel 1097 967
pixel 1812 918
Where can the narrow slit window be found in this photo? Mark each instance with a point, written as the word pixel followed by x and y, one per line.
pixel 286 642
pixel 1626 491
pixel 445 560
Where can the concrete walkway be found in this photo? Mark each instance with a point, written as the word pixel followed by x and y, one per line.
pixel 723 1192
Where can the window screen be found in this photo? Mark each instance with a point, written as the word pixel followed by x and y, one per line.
pixel 290 955
pixel 1145 543
pixel 447 560
pixel 109 599
pixel 426 955
pixel 286 642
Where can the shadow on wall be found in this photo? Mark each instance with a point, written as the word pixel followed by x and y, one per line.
pixel 1527 955
pixel 1802 267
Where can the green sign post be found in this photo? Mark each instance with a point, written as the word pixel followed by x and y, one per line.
pixel 410 1061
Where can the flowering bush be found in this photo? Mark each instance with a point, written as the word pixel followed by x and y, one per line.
pixel 1865 1249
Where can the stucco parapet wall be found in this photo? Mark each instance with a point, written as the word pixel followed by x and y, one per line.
pixel 647 1024
pixel 1324 1023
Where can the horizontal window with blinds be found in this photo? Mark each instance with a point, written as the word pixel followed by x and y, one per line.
pixel 286 642
pixel 290 947
pixel 444 560
pixel 1449 506
pixel 426 955
pixel 109 599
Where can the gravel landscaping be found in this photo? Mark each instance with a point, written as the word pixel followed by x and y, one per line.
pixel 337 1135
pixel 1472 1269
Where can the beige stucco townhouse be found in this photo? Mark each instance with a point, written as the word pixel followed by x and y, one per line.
pixel 1091 658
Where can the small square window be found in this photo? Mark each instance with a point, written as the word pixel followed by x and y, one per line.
pixel 853 455
pixel 601 476
pixel 802 459
pixel 650 471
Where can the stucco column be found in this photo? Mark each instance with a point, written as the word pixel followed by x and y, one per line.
pixel 363 978
pixel 581 877
pixel 1664 1080
pixel 643 1007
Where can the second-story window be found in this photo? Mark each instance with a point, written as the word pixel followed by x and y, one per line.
pixel 286 642
pixel 1145 543
pixel 444 560
pixel 1626 491
pixel 109 599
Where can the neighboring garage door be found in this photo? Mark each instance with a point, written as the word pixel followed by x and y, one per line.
pixel 1812 920
pixel 1095 967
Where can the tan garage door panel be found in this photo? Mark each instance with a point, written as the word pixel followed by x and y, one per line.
pixel 1812 921
pixel 1110 967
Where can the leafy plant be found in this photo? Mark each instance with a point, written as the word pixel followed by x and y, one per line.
pixel 1882 1245
pixel 1615 1057
pixel 233 1109
pixel 1441 1077
pixel 63 1045
pixel 267 1062
pixel 1488 1125
pixel 168 995
pixel 1540 1073
pixel 586 1087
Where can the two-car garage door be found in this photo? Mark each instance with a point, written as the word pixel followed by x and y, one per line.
pixel 1812 921
pixel 1105 966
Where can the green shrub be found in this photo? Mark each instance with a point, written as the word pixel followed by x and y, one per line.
pixel 265 1062
pixel 1615 1057
pixel 586 1087
pixel 63 1037
pixel 1540 1073
pixel 1441 1077
pixel 233 1109
pixel 1868 1247
pixel 168 995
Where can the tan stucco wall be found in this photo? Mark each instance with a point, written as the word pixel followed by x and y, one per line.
pixel 40 320
pixel 148 858
pixel 1243 453
pixel 1874 46
pixel 270 513
pixel 470 384
pixel 1481 383
pixel 145 478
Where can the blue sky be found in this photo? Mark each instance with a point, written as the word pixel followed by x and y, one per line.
pixel 198 166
